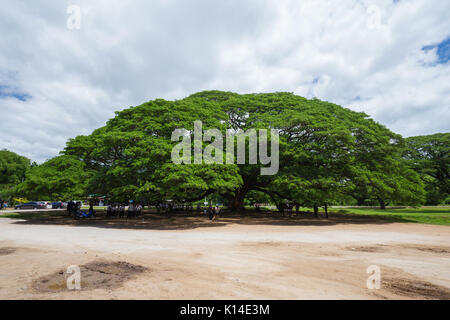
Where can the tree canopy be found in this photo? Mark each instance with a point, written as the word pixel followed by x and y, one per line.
pixel 12 172
pixel 326 152
pixel 430 157
pixel 60 178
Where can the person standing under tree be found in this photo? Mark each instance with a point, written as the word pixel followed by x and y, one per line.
pixel 69 207
pixel 108 210
pixel 131 210
pixel 138 209
pixel 91 209
pixel 210 213
pixel 121 210
pixel 216 212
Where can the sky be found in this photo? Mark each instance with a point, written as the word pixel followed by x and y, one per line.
pixel 64 74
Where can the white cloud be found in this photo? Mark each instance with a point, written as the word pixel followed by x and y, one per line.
pixel 365 55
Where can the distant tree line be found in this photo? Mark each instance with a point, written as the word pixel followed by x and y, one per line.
pixel 429 156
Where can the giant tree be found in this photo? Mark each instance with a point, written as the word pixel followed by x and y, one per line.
pixel 324 151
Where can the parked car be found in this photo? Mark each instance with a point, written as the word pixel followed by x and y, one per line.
pixel 47 204
pixel 31 205
pixel 59 205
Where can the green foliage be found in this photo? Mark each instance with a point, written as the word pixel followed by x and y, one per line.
pixel 12 171
pixel 447 201
pixel 131 155
pixel 429 156
pixel 326 152
pixel 61 178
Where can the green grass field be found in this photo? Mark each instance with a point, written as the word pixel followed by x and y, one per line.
pixel 428 215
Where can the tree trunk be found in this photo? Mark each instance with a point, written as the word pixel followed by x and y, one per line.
pixel 236 200
pixel 382 204
pixel 326 210
pixel 316 211
pixel 360 201
pixel 280 207
pixel 236 204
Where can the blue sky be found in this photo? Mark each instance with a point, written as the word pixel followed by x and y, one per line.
pixel 389 59
pixel 442 51
pixel 7 92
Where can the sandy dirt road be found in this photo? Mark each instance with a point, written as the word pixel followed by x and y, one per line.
pixel 227 261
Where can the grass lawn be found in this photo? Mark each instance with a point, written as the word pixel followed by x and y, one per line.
pixel 428 215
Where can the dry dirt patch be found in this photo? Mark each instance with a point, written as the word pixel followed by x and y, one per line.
pixel 378 248
pixel 385 248
pixel 416 289
pixel 94 275
pixel 266 244
pixel 6 251
pixel 431 249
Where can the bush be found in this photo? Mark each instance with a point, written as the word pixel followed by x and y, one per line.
pixel 447 201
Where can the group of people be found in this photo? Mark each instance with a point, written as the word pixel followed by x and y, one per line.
pixel 118 210
pixel 165 207
pixel 212 212
pixel 74 209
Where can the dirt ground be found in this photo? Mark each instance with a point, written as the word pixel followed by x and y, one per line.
pixel 244 257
